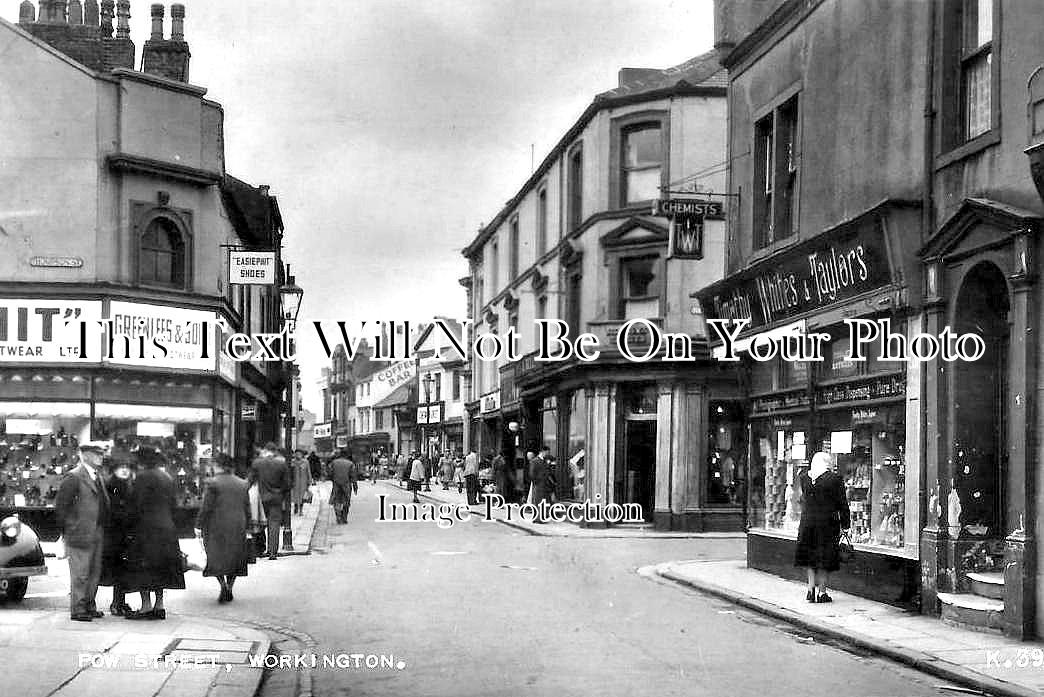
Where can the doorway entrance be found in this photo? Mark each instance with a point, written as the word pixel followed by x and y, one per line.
pixel 980 412
pixel 636 475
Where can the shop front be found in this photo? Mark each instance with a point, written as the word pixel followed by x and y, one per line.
pixel 865 413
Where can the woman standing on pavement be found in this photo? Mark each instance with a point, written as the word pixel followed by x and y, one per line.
pixel 222 523
pixel 824 513
pixel 154 560
pixel 417 473
pixel 118 531
pixel 446 471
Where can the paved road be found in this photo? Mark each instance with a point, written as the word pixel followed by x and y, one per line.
pixel 481 609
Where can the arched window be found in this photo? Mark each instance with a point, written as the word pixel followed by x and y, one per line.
pixel 162 255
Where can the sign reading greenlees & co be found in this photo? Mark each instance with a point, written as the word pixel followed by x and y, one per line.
pixel 814 275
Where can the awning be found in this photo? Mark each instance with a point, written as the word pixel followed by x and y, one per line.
pixel 34 410
pixel 744 343
pixel 139 412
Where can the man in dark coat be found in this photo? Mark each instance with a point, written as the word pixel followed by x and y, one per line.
pixel 316 465
pixel 272 475
pixel 538 475
pixel 345 477
pixel 82 510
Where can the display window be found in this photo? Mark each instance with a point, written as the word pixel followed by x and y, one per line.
pixel 576 444
pixel 726 454
pixel 37 448
pixel 868 448
pixel 779 454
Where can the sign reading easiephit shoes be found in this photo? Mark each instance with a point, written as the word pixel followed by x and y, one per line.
pixel 813 275
pixel 252 268
pixel 48 331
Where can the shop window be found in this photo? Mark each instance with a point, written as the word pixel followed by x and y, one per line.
pixel 162 258
pixel 575 188
pixel 775 174
pixel 726 454
pixel 640 287
pixel 867 445
pixel 794 374
pixel 457 380
pixel 779 454
pixel 762 377
pixel 576 444
pixel 379 419
pixel 641 165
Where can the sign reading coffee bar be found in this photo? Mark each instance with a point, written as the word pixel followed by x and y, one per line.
pixel 826 270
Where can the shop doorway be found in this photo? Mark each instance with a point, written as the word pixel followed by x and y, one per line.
pixel 979 401
pixel 638 483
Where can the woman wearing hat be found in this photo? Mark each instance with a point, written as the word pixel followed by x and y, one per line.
pixel 154 559
pixel 223 519
pixel 300 480
pixel 118 531
pixel 824 513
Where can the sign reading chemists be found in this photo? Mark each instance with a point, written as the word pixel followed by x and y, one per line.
pixel 252 268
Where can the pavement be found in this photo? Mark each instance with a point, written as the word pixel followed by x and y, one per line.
pixel 45 654
pixel 983 661
pixel 563 529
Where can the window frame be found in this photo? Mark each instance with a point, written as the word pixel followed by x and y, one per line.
pixel 144 214
pixel 541 220
pixel 776 172
pixel 514 248
pixel 619 129
pixel 575 187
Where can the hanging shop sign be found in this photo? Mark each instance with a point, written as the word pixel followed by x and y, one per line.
pixel 429 414
pixel 251 268
pixel 342 442
pixel 824 271
pixel 322 430
pixel 48 331
pixel 687 219
pixel 248 413
pixel 162 337
pixel 397 374
pixel 489 402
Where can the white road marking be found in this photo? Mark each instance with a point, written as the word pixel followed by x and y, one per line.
pixel 378 558
pixel 446 554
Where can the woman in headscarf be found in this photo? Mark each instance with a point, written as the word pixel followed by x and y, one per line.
pixel 223 519
pixel 824 513
pixel 154 559
pixel 118 532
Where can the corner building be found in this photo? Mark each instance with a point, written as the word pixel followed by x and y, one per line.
pixel 579 242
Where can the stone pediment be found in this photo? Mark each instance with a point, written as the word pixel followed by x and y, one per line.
pixel 635 231
pixel 978 225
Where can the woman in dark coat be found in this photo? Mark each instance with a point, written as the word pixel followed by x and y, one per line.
pixel 154 558
pixel 118 531
pixel 824 512
pixel 223 519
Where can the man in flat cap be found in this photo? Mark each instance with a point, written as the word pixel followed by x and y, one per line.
pixel 82 508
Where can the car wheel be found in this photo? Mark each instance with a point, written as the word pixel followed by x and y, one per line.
pixel 16 588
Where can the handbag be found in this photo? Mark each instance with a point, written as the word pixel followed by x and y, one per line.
pixel 845 550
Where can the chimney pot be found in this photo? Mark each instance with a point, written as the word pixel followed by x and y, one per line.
pixel 177 22
pixel 75 12
pixel 90 13
pixel 264 188
pixel 59 11
pixel 123 19
pixel 106 18
pixel 26 13
pixel 157 22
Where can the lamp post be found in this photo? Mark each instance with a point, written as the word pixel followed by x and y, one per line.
pixel 290 296
pixel 427 382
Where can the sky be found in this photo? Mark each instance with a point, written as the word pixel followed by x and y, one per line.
pixel 390 130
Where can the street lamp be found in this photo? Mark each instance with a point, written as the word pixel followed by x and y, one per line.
pixel 428 381
pixel 290 295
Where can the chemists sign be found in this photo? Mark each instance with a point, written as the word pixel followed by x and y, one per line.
pixel 252 268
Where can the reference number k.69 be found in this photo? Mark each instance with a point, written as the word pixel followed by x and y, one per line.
pixel 1019 658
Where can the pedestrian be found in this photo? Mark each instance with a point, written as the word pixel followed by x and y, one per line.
pixel 315 465
pixel 402 470
pixel 272 475
pixel 154 561
pixel 82 510
pixel 345 477
pixel 301 479
pixel 258 521
pixel 824 513
pixel 538 478
pixel 458 474
pixel 446 471
pixel 223 521
pixel 471 470
pixel 118 532
pixel 383 464
pixel 417 475
pixel 502 478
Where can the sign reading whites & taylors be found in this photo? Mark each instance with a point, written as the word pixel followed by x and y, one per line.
pixel 252 268
pixel 821 272
pixel 322 430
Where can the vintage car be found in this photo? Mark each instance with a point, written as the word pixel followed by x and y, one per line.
pixel 20 557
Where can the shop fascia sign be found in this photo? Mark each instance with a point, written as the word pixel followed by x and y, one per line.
pixel 322 430
pixel 48 331
pixel 396 375
pixel 813 276
pixel 248 412
pixel 251 268
pixel 342 442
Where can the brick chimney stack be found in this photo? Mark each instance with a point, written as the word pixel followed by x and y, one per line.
pixel 72 27
pixel 167 58
pixel 123 19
